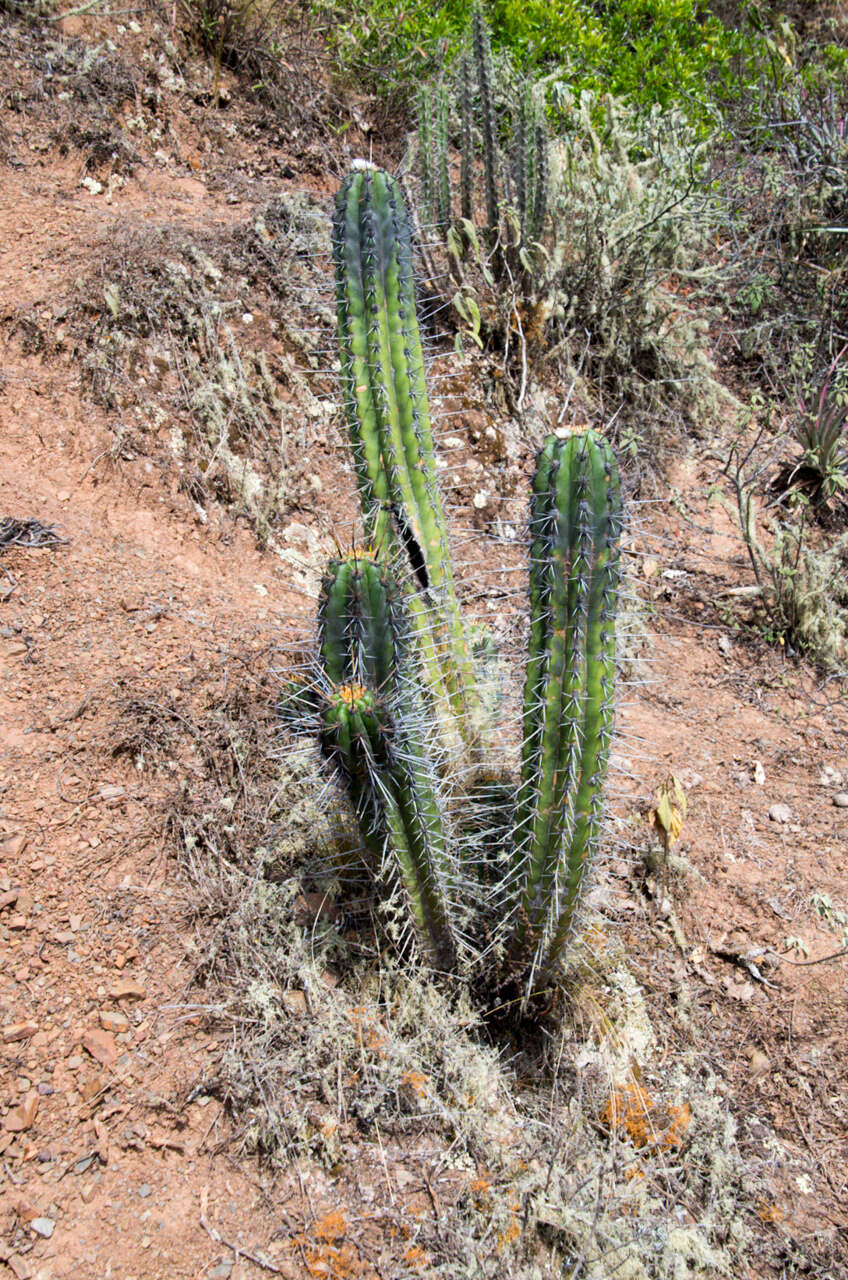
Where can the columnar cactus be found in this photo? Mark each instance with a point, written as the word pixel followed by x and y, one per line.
pixel 503 863
pixel 485 82
pixel 371 728
pixel 388 417
pixel 568 694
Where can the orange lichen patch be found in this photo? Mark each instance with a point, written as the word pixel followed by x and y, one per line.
pixel 646 1123
pixel 371 1035
pixel 417 1082
pixel 768 1212
pixel 333 1226
pixel 414 1256
pixel 596 940
pixel 511 1231
pixel 351 693
pixel 329 1262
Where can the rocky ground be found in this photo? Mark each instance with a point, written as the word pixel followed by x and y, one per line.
pixel 157 240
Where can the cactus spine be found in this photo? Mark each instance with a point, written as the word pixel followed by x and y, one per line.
pixel 369 728
pixel 568 694
pixel 388 416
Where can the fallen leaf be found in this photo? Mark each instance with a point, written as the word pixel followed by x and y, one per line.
pixel 667 818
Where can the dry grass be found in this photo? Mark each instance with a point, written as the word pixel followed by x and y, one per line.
pixel 565 1151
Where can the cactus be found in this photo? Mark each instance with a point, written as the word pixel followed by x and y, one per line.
pixel 514 161
pixel 485 82
pixel 466 202
pixel 568 694
pixel 388 418
pixel 369 727
pixel 491 869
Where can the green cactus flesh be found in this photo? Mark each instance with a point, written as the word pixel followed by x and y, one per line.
pixel 371 728
pixel 388 417
pixel 568 693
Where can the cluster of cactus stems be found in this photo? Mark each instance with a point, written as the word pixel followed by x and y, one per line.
pixel 518 181
pixel 381 633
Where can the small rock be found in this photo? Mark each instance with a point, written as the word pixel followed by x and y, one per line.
pixel 113 1021
pixel 22 1116
pixel 780 813
pixel 144 1191
pixel 43 1227
pixel 127 989
pixel 759 774
pixel 13 847
pixel 760 1063
pixel 19 1031
pixel 101 1045
pixel 726 645
pixel 841 799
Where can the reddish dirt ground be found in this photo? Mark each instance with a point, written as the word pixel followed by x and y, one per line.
pixel 106 1132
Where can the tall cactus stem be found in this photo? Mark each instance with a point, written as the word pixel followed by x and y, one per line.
pixel 425 142
pixel 485 84
pixel 466 143
pixel 388 416
pixel 443 191
pixel 568 695
pixel 539 208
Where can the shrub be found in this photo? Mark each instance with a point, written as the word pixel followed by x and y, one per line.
pixel 590 246
pixel 654 51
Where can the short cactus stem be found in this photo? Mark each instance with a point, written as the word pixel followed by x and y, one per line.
pixel 371 728
pixel 388 417
pixel 568 695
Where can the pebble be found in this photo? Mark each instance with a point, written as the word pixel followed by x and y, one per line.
pixel 144 1191
pixel 841 799
pixel 780 813
pixel 43 1227
pixel 21 1117
pixel 113 1021
pixel 101 1045
pixel 19 1031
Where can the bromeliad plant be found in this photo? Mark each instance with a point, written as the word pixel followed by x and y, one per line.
pixel 393 651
